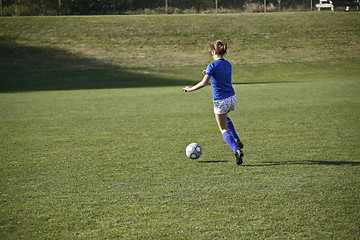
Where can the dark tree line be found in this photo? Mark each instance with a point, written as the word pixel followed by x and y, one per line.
pixel 74 7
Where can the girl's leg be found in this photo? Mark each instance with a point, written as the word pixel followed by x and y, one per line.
pixel 221 120
pixel 231 129
pixel 229 139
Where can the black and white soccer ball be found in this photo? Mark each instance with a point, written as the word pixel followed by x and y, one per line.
pixel 193 151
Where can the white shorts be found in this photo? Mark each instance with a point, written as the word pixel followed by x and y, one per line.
pixel 225 105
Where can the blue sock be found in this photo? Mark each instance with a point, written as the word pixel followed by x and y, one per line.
pixel 231 128
pixel 230 141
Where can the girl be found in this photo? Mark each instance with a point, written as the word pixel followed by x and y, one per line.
pixel 219 74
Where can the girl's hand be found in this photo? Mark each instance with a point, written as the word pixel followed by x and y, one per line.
pixel 186 89
pixel 204 72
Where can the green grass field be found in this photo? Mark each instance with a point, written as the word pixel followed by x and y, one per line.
pixel 94 127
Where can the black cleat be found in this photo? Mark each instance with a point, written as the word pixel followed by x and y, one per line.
pixel 239 143
pixel 239 157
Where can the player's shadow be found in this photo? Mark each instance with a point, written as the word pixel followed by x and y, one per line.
pixel 28 68
pixel 216 161
pixel 304 162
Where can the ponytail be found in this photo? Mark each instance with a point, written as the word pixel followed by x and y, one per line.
pixel 219 47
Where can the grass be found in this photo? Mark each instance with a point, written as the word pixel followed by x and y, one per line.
pixel 171 47
pixel 94 134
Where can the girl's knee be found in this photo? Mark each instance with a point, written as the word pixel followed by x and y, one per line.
pixel 223 130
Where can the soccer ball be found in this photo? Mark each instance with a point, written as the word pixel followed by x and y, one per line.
pixel 193 150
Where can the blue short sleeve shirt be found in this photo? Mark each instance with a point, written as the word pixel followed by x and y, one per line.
pixel 220 73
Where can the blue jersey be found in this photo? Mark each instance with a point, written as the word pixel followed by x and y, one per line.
pixel 220 72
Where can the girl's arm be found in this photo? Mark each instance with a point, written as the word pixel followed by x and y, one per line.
pixel 201 84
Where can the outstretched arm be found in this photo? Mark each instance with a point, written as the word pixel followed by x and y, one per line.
pixel 201 84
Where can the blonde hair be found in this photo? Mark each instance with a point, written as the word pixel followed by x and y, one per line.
pixel 219 47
